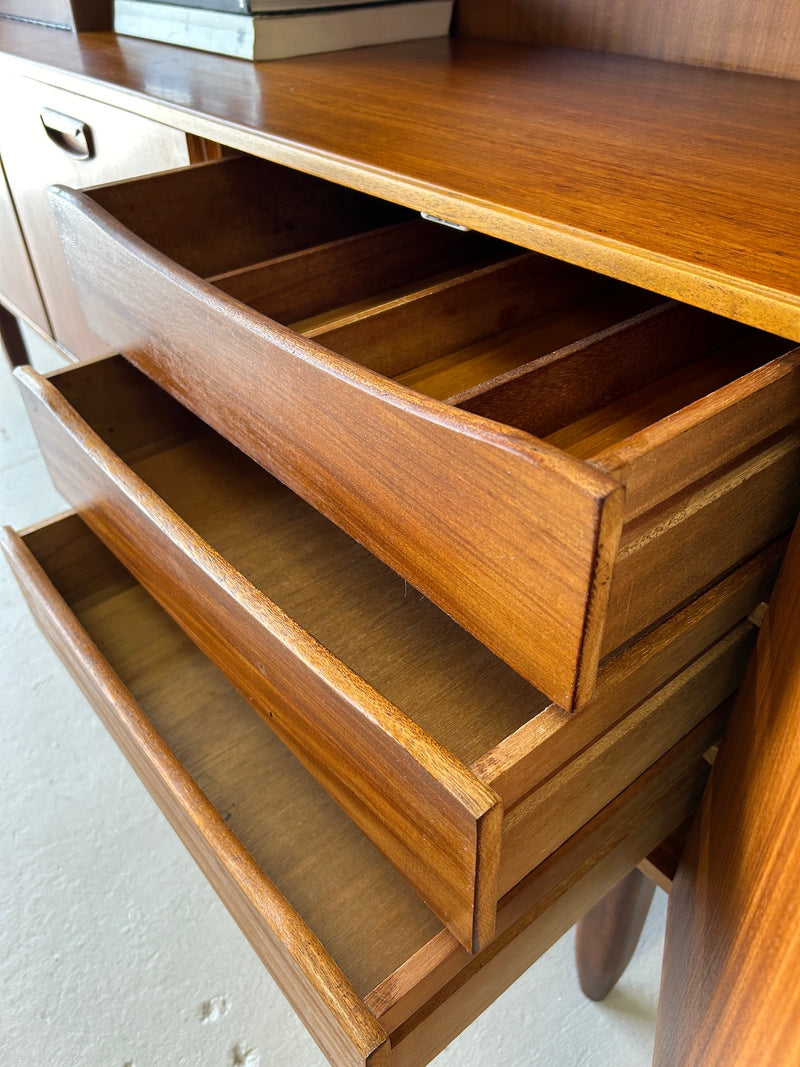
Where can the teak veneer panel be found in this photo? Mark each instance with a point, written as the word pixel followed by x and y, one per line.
pixel 378 991
pixel 18 285
pixel 729 997
pixel 122 145
pixel 638 163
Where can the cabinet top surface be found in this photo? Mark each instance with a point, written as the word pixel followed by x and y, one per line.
pixel 681 179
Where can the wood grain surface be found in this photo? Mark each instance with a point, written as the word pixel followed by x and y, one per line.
pixel 592 778
pixel 309 282
pixel 318 990
pixel 720 33
pixel 505 534
pixel 169 710
pixel 637 163
pixel 729 994
pixel 426 811
pixel 423 1003
pixel 529 757
pixel 671 553
pixel 447 835
pixel 705 382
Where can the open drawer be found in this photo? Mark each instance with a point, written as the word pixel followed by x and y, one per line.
pixel 467 411
pixel 369 969
pixel 464 775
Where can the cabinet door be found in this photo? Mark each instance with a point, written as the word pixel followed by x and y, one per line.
pixel 53 137
pixel 18 286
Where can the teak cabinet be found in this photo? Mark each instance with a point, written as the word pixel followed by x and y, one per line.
pixel 469 523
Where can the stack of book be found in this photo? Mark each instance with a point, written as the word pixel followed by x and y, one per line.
pixel 275 29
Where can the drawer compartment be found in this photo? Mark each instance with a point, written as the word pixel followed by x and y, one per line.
pixel 368 404
pixel 381 984
pixel 379 693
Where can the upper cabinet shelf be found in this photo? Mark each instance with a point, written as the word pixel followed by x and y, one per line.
pixel 681 179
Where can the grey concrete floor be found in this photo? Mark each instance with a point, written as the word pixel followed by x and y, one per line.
pixel 114 950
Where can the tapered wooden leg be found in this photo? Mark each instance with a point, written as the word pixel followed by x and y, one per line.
pixel 607 936
pixel 730 995
pixel 11 336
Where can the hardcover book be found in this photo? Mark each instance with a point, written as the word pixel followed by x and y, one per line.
pixel 278 35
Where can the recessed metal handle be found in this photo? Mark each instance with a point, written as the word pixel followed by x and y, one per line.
pixel 70 135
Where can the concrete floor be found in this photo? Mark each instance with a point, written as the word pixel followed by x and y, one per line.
pixel 115 952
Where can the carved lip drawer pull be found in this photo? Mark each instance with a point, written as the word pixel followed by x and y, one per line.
pixel 70 135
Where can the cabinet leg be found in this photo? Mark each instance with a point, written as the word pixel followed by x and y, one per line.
pixel 12 340
pixel 607 936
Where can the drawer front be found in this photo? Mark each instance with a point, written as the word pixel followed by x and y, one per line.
pixel 342 1026
pixel 381 995
pixel 120 145
pixel 515 524
pixel 592 779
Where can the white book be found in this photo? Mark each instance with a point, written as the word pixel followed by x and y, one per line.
pixel 279 35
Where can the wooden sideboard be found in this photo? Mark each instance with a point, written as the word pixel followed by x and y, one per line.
pixel 677 179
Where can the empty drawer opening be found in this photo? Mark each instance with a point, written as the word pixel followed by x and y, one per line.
pixel 315 855
pixel 355 606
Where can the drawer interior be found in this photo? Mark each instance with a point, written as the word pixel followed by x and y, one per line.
pixel 560 352
pixel 311 850
pixel 439 310
pixel 394 953
pixel 369 617
pixel 583 425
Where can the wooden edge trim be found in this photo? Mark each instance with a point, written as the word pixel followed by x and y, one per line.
pixel 384 746
pixel 535 749
pixel 471 399
pixel 637 740
pixel 654 874
pixel 229 280
pixel 763 383
pixel 661 864
pixel 335 1014
pixel 670 790
pixel 351 321
pixel 608 533
pixel 731 295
